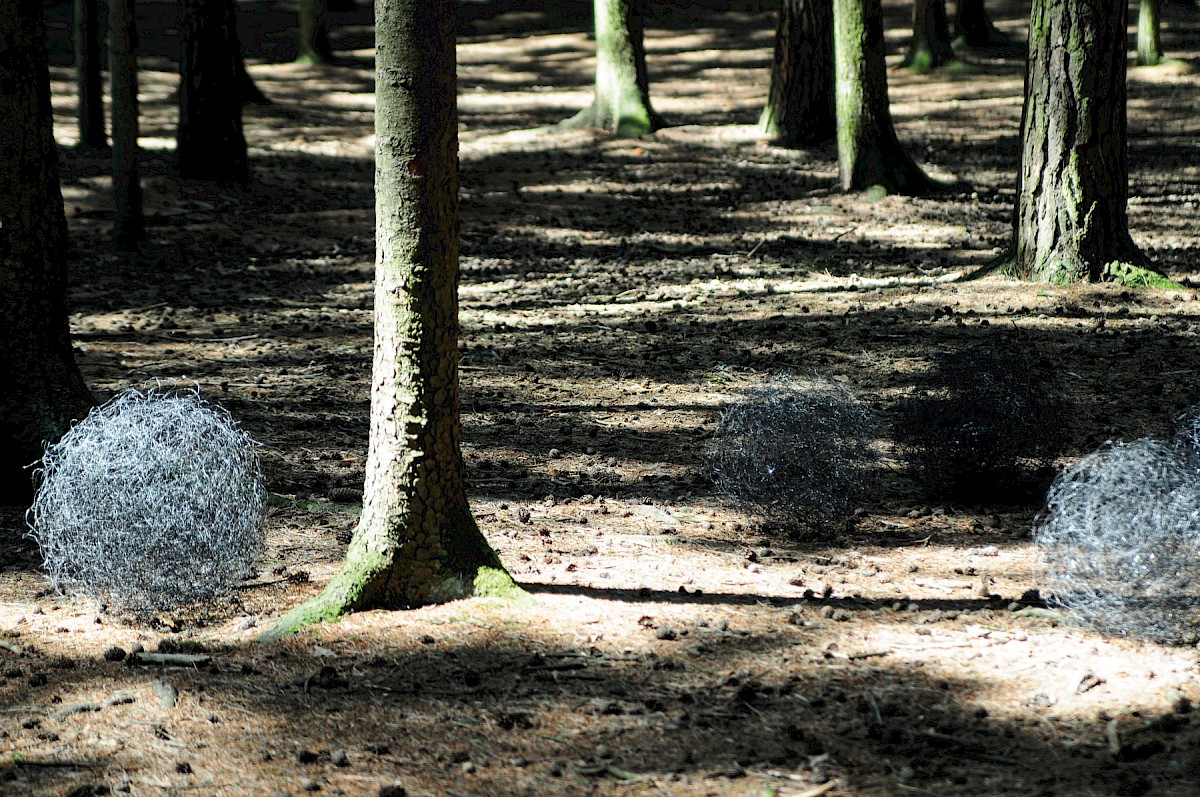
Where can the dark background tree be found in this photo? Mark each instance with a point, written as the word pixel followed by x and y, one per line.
pixel 1070 223
pixel 973 26
pixel 129 219
pixel 417 542
pixel 41 389
pixel 90 81
pixel 621 102
pixel 930 46
pixel 799 110
pixel 869 153
pixel 312 45
pixel 210 142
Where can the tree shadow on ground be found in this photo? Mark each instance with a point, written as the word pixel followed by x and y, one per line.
pixel 708 704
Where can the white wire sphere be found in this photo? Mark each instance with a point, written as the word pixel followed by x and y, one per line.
pixel 152 502
pixel 1119 540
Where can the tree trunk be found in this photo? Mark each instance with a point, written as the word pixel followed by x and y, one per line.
pixel 1070 221
pixel 1149 42
pixel 210 142
pixel 417 542
pixel 973 26
pixel 799 110
pixel 869 154
pixel 313 45
pixel 41 389
pixel 88 77
pixel 930 47
pixel 621 103
pixel 248 90
pixel 129 220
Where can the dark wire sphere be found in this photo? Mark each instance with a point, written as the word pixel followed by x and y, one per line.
pixel 795 452
pixel 1119 541
pixel 152 502
pixel 983 425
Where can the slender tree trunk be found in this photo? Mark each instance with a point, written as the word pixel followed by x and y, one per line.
pixel 1070 222
pixel 313 45
pixel 41 389
pixel 88 76
pixel 210 141
pixel 417 542
pixel 1149 41
pixel 129 220
pixel 248 90
pixel 930 47
pixel 799 110
pixel 869 154
pixel 973 25
pixel 621 103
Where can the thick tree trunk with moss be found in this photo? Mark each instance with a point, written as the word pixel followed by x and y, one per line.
pixel 312 46
pixel 799 110
pixel 417 542
pixel 41 390
pixel 88 77
pixel 210 144
pixel 869 154
pixel 129 220
pixel 621 103
pixel 973 26
pixel 930 47
pixel 1070 222
pixel 1149 41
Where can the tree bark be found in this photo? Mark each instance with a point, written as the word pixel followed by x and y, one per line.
pixel 799 110
pixel 869 154
pixel 621 102
pixel 210 142
pixel 1149 41
pixel 41 389
pixel 313 45
pixel 417 542
pixel 88 77
pixel 974 27
pixel 930 47
pixel 129 220
pixel 1070 222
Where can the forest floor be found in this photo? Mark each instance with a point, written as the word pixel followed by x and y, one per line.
pixel 615 293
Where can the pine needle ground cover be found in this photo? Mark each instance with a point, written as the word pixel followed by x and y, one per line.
pixel 613 301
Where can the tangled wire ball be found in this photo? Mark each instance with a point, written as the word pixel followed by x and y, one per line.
pixel 1119 540
pixel 980 425
pixel 152 502
pixel 796 453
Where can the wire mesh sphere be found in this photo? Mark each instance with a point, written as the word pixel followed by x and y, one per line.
pixel 798 453
pixel 1119 541
pixel 981 426
pixel 152 502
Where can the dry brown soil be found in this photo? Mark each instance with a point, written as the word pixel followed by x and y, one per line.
pixel 614 293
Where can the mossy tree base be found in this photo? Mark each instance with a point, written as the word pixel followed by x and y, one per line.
pixel 635 120
pixel 869 153
pixel 621 102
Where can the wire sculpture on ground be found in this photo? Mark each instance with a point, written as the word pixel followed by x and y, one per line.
pixel 151 503
pixel 981 425
pixel 796 452
pixel 1119 540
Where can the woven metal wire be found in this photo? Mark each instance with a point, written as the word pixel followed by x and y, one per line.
pixel 796 452
pixel 980 424
pixel 1119 540
pixel 152 502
